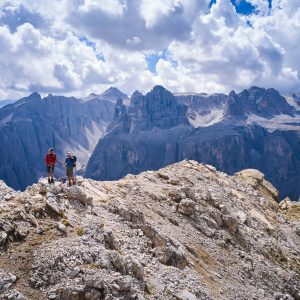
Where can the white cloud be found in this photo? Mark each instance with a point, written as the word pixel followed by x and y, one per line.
pixel 112 7
pixel 31 60
pixel 133 41
pixel 225 53
pixel 152 11
pixel 207 50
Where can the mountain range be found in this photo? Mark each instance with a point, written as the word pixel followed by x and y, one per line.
pixel 114 135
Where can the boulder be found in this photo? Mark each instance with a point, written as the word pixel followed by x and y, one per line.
pixel 285 204
pixel 77 193
pixel 231 222
pixel 187 207
pixel 252 176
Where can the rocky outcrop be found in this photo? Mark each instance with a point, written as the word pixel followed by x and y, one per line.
pixel 259 101
pixel 158 108
pixel 144 136
pixel 185 232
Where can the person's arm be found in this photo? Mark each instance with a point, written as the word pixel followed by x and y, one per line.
pixel 46 159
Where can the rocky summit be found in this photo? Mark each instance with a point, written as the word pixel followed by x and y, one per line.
pixel 184 232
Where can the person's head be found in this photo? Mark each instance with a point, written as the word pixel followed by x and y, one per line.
pixel 51 150
pixel 69 154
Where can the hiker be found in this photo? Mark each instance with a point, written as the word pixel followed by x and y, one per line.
pixel 70 164
pixel 50 160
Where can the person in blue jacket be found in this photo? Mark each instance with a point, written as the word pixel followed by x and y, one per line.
pixel 70 164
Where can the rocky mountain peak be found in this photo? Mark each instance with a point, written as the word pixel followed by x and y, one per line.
pixel 33 97
pixel 136 98
pixel 113 94
pixel 159 108
pixel 258 101
pixel 160 90
pixel 137 93
pixel 184 232
pixel 232 93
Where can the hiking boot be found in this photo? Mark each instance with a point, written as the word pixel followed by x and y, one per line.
pixel 52 180
pixel 49 181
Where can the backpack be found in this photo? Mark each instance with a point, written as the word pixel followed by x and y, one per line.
pixel 74 160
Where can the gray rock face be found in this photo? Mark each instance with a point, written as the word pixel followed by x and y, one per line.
pixel 158 108
pixel 144 136
pixel 204 108
pixel 258 101
pixel 31 125
pixel 231 148
pixel 111 94
pixel 153 132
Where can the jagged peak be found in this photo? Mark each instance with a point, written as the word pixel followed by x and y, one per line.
pixel 262 89
pixel 159 89
pixel 34 96
pixel 254 87
pixel 232 93
pixel 114 93
pixel 137 93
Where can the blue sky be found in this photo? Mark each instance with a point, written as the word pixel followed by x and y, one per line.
pixel 78 47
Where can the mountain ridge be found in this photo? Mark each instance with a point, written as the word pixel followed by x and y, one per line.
pixel 143 143
pixel 152 130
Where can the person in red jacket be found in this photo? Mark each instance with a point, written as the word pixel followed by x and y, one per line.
pixel 50 160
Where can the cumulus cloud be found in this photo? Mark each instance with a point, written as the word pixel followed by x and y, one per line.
pixel 31 60
pixel 81 46
pixel 228 53
pixel 111 7
pixel 155 23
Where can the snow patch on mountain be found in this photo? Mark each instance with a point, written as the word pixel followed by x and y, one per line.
pixel 204 120
pixel 293 102
pixel 279 122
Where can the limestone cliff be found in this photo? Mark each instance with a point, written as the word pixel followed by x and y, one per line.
pixel 30 126
pixel 158 129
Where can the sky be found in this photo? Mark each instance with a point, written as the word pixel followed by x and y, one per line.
pixel 78 47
